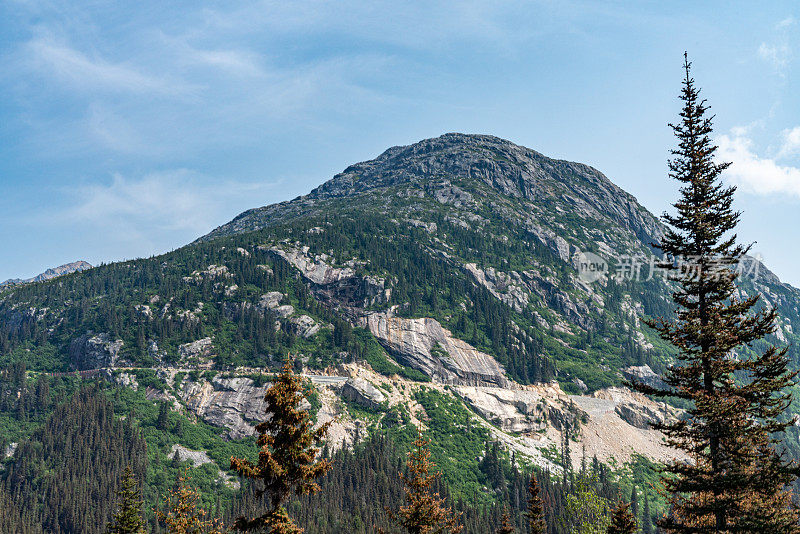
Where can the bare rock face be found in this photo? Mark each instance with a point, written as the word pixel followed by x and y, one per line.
pixel 581 385
pixel 231 403
pixel 362 392
pixel 199 354
pixel 213 271
pixel 272 301
pixel 425 345
pixel 155 352
pixel 520 410
pixel 144 310
pixel 182 454
pixel 505 286
pixel 198 458
pixel 127 380
pixel 54 272
pixel 338 284
pixel 316 270
pixel 154 394
pixel 639 415
pixel 94 352
pixel 634 408
pixel 644 375
pixel 304 326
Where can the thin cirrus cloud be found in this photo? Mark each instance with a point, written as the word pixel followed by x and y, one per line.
pixel 778 54
pixel 171 201
pixel 757 174
pixel 81 71
pixel 215 94
pixel 242 63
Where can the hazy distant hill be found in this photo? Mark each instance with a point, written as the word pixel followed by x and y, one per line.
pixel 50 273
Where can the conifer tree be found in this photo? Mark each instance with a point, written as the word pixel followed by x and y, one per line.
pixel 535 512
pixel 128 518
pixel 184 515
pixel 736 481
pixel 622 520
pixel 505 524
pixel 162 423
pixel 634 501
pixel 287 457
pixel 647 518
pixel 566 455
pixel 424 511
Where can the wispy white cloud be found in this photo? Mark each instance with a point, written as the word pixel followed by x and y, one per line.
pixel 229 60
pixel 239 62
pixel 416 26
pixel 177 93
pixel 171 202
pixel 80 70
pixel 757 174
pixel 778 53
pixel 113 131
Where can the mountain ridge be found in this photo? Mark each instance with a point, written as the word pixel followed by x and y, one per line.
pixel 393 168
pixel 401 166
pixel 52 272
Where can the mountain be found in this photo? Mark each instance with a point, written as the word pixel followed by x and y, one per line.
pixel 488 294
pixel 511 220
pixel 67 268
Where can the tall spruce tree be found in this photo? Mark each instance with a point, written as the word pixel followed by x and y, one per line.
pixel 424 512
pixel 622 520
pixel 736 481
pixel 634 501
pixel 505 527
pixel 647 517
pixel 535 512
pixel 287 457
pixel 128 518
pixel 184 513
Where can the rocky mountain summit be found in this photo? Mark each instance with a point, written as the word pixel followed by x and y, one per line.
pixel 475 174
pixel 440 277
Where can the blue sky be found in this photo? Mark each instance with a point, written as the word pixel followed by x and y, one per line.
pixel 131 128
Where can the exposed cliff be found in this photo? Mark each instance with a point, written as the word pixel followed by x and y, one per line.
pixel 424 345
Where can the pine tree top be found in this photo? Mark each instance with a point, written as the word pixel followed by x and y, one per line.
pixel 505 524
pixel 425 511
pixel 535 512
pixel 128 518
pixel 184 514
pixel 622 520
pixel 287 457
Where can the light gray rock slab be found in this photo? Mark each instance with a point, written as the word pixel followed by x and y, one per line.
pixel 427 346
